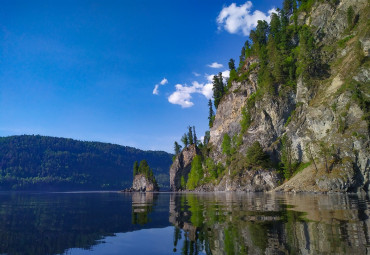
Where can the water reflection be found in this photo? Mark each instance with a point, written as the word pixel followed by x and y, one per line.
pixel 231 223
pixel 150 223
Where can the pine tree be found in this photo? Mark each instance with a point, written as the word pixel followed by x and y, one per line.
pixel 218 88
pixel 136 168
pixel 242 58
pixel 232 64
pixel 184 140
pixel 195 136
pixel 287 156
pixel 190 135
pixel 207 136
pixel 177 148
pixel 211 114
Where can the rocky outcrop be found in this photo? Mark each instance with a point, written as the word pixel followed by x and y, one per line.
pixel 181 166
pixel 250 181
pixel 319 116
pixel 141 183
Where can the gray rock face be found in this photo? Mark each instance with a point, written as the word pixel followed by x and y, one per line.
pixel 250 181
pixel 320 115
pixel 141 183
pixel 182 166
pixel 330 20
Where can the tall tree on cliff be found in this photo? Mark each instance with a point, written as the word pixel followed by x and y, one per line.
pixel 195 138
pixel 218 88
pixel 136 168
pixel 177 148
pixel 184 140
pixel 190 135
pixel 211 115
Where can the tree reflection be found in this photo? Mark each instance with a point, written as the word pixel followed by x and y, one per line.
pixel 231 223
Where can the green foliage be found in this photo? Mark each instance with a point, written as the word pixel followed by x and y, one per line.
pixel 218 89
pixel 213 170
pixel 342 43
pixel 307 56
pixel 256 156
pixel 246 120
pixel 184 140
pixel 177 148
pixel 231 64
pixel 302 166
pixel 233 77
pixel 145 170
pixel 183 183
pixel 196 173
pixel 136 168
pixel 190 135
pixel 226 145
pixel 350 17
pixel 359 92
pixel 289 118
pixel 306 5
pixel 326 152
pixel 31 162
pixel 287 157
pixel 207 137
pixel 211 115
pixel 334 107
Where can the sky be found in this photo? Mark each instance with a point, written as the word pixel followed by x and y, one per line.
pixel 133 73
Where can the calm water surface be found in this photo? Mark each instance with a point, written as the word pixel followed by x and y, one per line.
pixel 223 223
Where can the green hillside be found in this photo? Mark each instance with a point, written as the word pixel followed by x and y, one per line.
pixel 34 162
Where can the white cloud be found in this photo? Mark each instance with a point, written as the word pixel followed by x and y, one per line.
pixel 183 94
pixel 225 74
pixel 235 19
pixel 215 65
pixel 155 90
pixel 196 74
pixel 164 81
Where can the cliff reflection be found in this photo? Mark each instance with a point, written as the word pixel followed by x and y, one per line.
pixel 142 206
pixel 230 223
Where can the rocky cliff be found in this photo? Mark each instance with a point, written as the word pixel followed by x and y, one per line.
pixel 181 166
pixel 142 183
pixel 314 126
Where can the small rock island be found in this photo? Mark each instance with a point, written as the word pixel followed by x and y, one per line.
pixel 144 180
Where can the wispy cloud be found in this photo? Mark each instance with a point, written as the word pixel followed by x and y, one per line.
pixel 183 93
pixel 235 19
pixel 155 90
pixel 196 74
pixel 164 81
pixel 215 65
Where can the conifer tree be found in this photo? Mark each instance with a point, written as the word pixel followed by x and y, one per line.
pixel 136 168
pixel 190 135
pixel 177 148
pixel 184 140
pixel 194 136
pixel 232 64
pixel 218 88
pixel 207 136
pixel 211 113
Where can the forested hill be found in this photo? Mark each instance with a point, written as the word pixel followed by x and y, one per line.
pixel 34 162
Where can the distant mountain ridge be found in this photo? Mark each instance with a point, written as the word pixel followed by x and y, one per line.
pixel 35 162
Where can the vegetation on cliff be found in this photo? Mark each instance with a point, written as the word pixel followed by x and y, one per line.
pixel 298 99
pixel 144 169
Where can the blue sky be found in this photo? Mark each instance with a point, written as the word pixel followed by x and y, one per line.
pixel 88 69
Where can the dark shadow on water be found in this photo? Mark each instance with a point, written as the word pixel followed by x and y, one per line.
pixel 223 223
